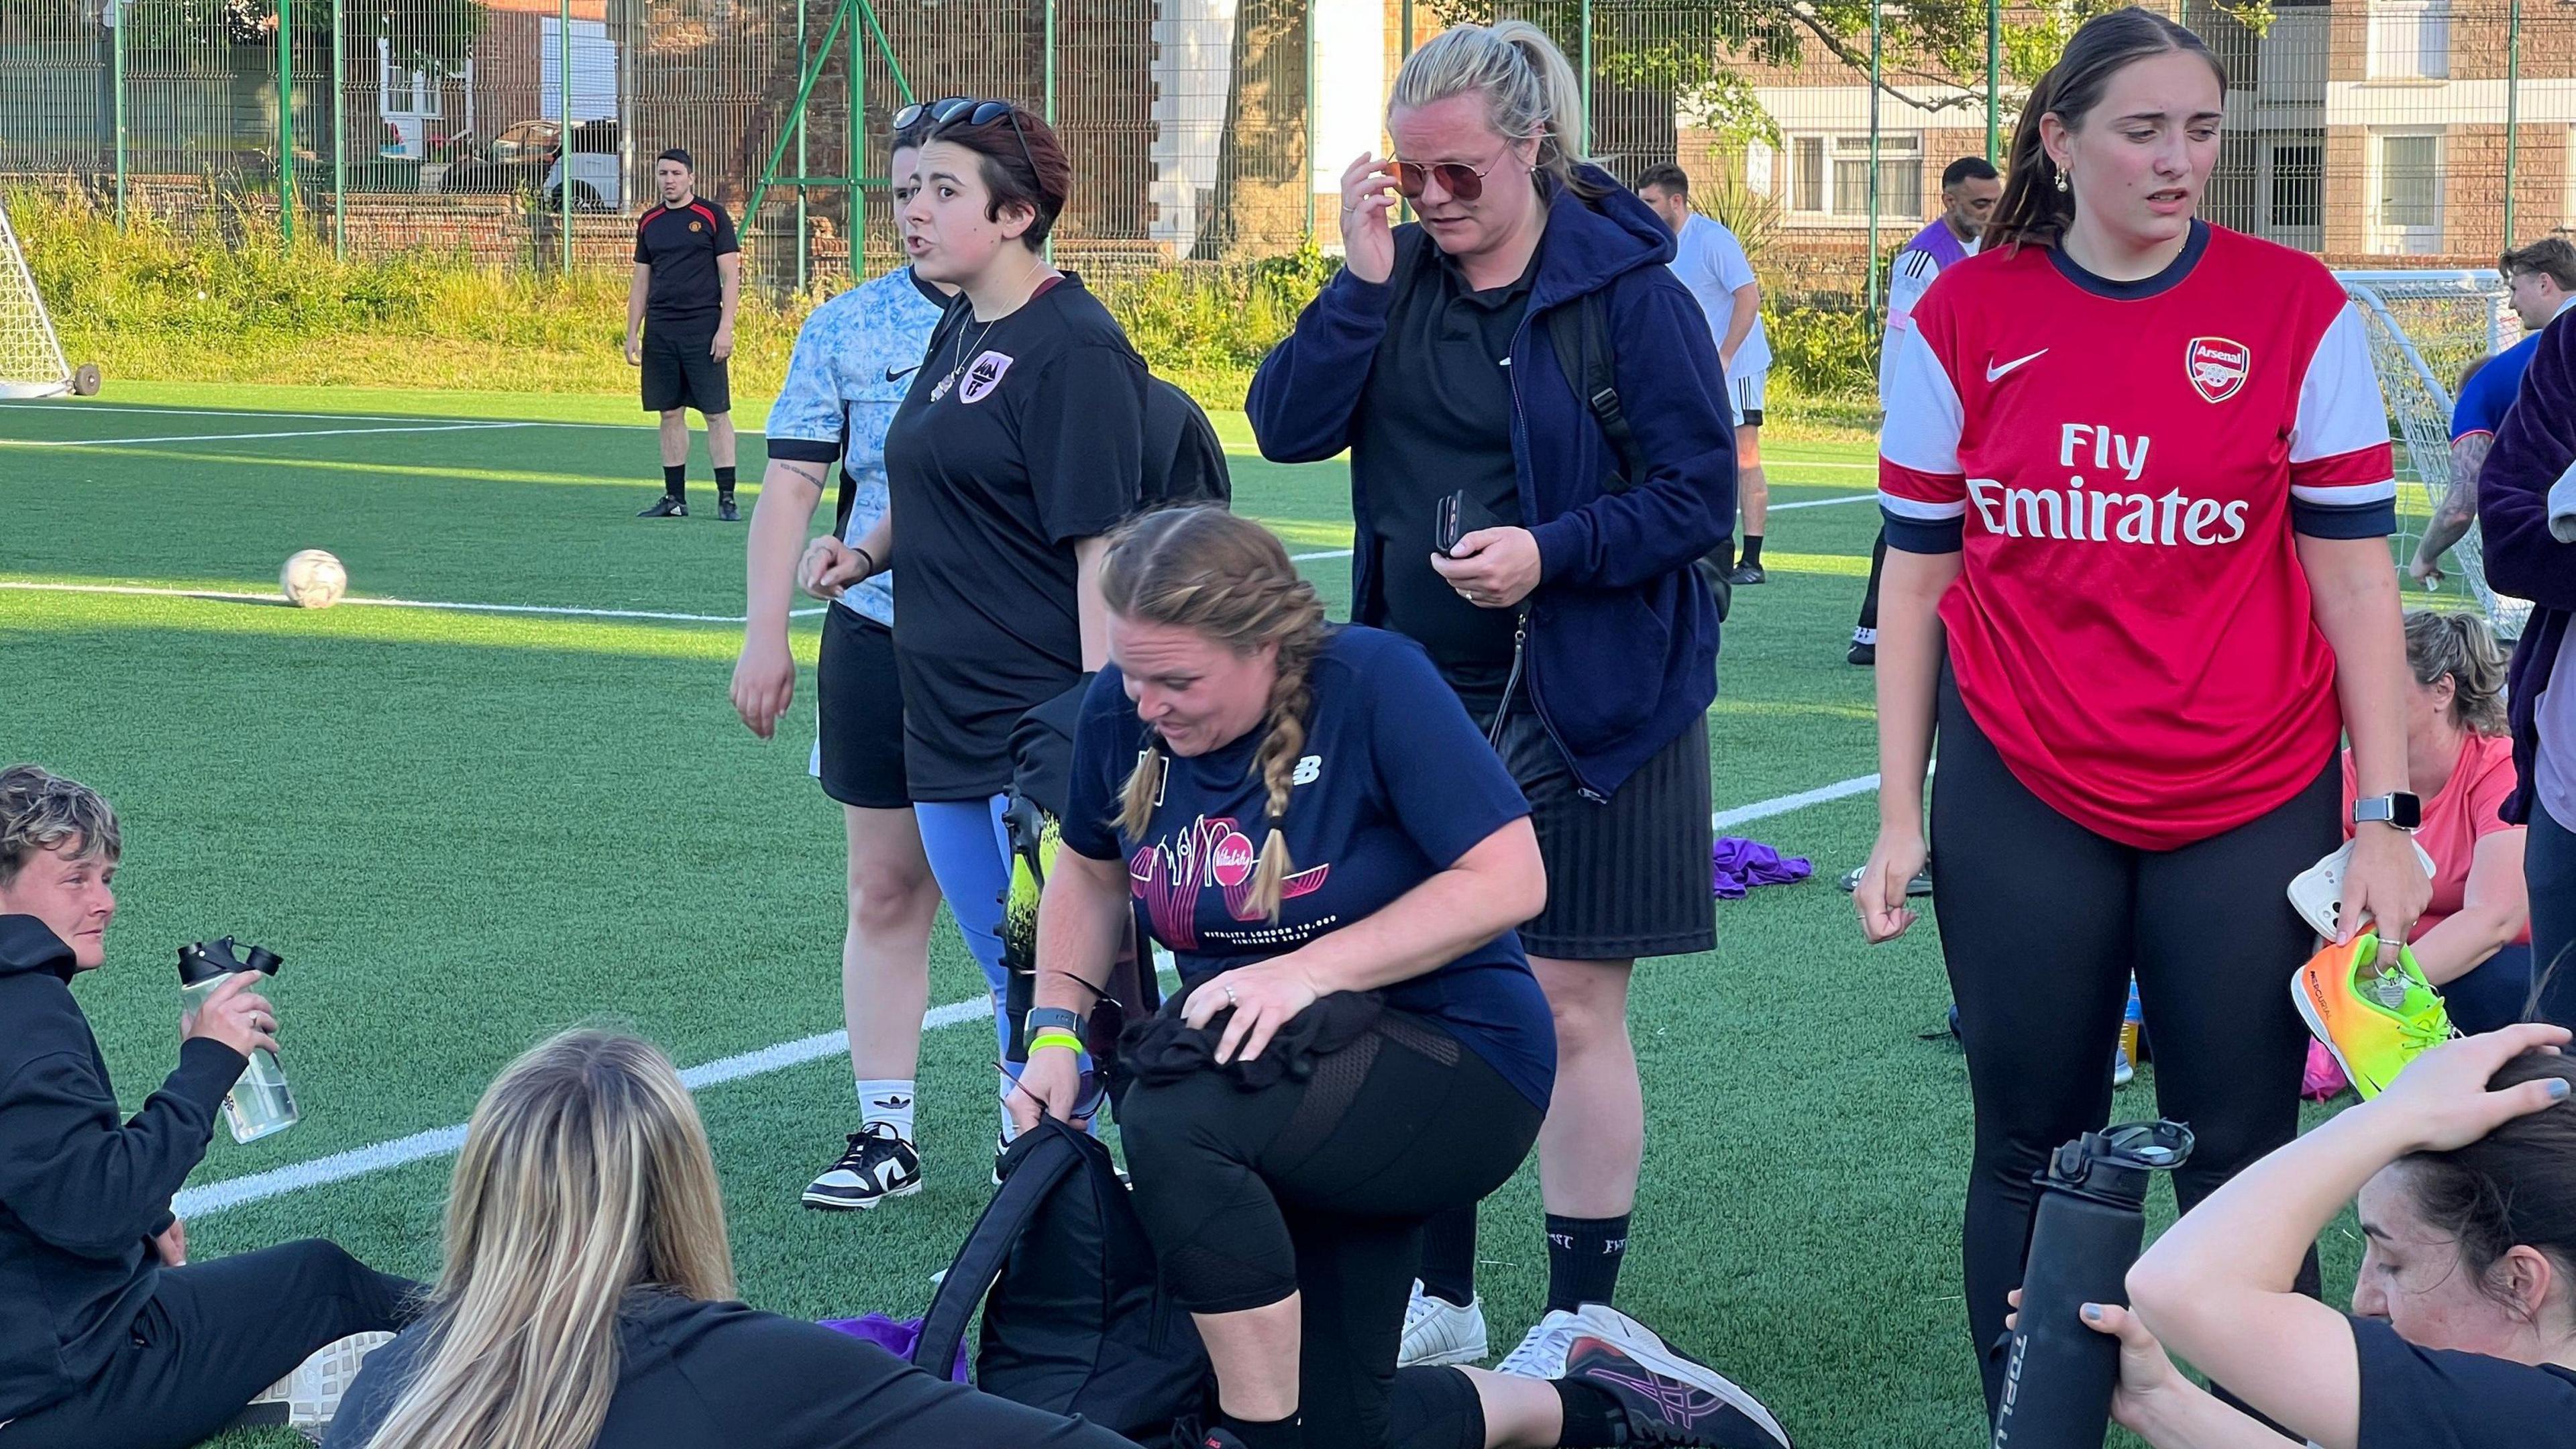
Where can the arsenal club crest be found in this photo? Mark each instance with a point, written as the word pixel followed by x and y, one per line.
pixel 2217 366
pixel 984 376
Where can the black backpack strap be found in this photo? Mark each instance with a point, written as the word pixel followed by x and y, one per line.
pixel 1580 333
pixel 1046 1164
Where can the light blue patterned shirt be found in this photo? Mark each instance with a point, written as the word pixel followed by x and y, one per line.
pixel 853 363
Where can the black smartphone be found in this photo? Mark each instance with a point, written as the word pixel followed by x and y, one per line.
pixel 1456 516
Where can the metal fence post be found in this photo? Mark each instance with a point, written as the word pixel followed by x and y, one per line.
pixel 285 122
pixel 1308 182
pixel 1869 305
pixel 1585 45
pixel 563 136
pixel 339 142
pixel 2512 112
pixel 1994 81
pixel 116 62
pixel 858 211
pixel 804 168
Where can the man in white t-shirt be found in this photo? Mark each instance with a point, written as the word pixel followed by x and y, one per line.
pixel 1711 263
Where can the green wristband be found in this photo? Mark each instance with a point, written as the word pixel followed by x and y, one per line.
pixel 1051 1038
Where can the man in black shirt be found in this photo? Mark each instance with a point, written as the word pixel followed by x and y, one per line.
pixel 679 328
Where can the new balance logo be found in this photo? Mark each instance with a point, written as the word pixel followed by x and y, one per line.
pixel 1309 768
pixel 1995 370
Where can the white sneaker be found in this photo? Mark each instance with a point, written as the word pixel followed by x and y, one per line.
pixel 309 1398
pixel 1541 1354
pixel 1439 1333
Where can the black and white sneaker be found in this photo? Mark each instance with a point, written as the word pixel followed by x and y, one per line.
pixel 1668 1397
pixel 1744 575
pixel 726 512
pixel 878 1166
pixel 666 506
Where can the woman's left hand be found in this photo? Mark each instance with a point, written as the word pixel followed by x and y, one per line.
pixel 2385 883
pixel 1263 998
pixel 1492 568
pixel 2442 1096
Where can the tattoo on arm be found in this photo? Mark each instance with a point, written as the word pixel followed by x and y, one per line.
pixel 2459 506
pixel 806 471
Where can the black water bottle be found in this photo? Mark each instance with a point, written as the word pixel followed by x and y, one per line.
pixel 2089 1226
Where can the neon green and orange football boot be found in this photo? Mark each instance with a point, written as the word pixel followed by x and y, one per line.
pixel 2372 1008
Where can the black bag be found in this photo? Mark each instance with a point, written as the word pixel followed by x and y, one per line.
pixel 1076 1321
pixel 1580 333
pixel 1184 461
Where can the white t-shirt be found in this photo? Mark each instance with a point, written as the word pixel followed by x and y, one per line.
pixel 1712 264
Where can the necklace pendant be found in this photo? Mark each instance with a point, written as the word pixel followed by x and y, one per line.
pixel 941 391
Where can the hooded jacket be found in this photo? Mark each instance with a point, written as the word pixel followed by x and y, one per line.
pixel 1622 633
pixel 2535 446
pixel 82 1190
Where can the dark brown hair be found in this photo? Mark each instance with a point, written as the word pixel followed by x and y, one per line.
pixel 2033 209
pixel 1037 177
pixel 1229 580
pixel 1672 180
pixel 2553 257
pixel 2516 1186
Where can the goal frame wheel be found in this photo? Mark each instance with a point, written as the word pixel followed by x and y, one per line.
pixel 86 379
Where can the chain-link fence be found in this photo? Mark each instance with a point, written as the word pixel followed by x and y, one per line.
pixel 2372 132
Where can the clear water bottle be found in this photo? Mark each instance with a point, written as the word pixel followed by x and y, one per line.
pixel 259 1104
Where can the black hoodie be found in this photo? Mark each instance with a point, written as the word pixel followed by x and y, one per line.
pixel 82 1193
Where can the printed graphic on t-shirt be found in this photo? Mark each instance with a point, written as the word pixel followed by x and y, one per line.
pixel 984 376
pixel 1169 874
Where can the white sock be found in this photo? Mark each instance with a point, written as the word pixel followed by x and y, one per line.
pixel 888 1100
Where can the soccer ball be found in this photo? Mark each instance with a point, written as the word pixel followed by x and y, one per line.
pixel 313 579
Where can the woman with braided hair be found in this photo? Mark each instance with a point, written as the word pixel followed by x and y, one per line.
pixel 1335 858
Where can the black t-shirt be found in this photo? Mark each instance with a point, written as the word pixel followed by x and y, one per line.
pixel 2424 1398
pixel 1395 784
pixel 1018 439
pixel 1437 418
pixel 681 244
pixel 695 1375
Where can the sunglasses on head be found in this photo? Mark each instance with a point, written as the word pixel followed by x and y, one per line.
pixel 1459 179
pixel 965 111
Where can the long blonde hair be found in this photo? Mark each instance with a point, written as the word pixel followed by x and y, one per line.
pixel 1228 579
pixel 1528 85
pixel 585 1175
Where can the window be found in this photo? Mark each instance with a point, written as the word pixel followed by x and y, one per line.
pixel 2406 192
pixel 402 91
pixel 2410 39
pixel 1829 176
pixel 2299 187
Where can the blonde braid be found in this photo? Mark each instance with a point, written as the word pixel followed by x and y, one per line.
pixel 1282 743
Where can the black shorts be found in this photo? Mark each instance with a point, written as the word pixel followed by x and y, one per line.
pixel 681 371
pixel 1627 878
pixel 858 704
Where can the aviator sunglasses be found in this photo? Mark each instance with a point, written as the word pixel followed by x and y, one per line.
pixel 1459 179
pixel 944 113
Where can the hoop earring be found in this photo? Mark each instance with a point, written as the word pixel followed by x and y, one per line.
pixel 2062 175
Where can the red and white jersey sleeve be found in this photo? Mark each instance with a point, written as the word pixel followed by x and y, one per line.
pixel 2124 468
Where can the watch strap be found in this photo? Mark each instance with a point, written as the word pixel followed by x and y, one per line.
pixel 1055 1018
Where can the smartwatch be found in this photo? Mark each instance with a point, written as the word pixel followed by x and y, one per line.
pixel 2398 808
pixel 1054 1018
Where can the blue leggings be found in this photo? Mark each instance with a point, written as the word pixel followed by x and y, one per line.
pixel 970 855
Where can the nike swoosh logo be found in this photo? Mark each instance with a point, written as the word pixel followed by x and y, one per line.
pixel 1993 371
pixel 898 374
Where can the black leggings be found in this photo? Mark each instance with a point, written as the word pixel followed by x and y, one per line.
pixel 2042 922
pixel 1321 1188
pixel 215 1334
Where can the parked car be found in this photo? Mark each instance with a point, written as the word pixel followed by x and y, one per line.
pixel 527 158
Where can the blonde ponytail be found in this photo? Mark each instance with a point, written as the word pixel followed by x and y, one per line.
pixel 1529 88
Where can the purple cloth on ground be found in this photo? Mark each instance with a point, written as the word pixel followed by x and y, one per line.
pixel 1742 864
pixel 896 1336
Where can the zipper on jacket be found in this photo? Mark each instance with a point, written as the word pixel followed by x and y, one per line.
pixel 1511 681
pixel 1520 633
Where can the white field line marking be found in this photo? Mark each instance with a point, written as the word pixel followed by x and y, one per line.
pixel 1871 497
pixel 370 603
pixel 109 410
pixel 1328 553
pixel 439 1142
pixel 238 437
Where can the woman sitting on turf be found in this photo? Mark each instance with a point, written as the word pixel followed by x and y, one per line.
pixel 2463 1326
pixel 1336 860
pixel 584 1300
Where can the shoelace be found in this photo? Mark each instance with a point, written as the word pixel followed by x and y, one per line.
pixel 866 1145
pixel 1543 1349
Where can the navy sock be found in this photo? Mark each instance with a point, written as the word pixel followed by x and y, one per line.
pixel 675 479
pixel 1753 550
pixel 1583 1257
pixel 724 482
pixel 1288 1433
pixel 1449 1256
pixel 1593 1419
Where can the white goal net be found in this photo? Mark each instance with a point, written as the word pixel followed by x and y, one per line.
pixel 31 360
pixel 2426 327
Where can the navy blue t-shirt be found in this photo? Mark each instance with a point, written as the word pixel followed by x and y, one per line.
pixel 1395 785
pixel 2425 1398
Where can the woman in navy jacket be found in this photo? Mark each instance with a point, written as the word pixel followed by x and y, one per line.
pixel 1568 616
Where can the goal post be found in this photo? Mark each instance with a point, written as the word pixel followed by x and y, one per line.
pixel 31 358
pixel 2425 328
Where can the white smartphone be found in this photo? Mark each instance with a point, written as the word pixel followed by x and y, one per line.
pixel 2318 890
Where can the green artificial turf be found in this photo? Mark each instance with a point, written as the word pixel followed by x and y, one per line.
pixel 465 831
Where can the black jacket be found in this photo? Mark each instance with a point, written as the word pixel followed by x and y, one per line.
pixel 82 1191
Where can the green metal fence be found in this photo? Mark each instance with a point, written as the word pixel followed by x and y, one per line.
pixel 521 132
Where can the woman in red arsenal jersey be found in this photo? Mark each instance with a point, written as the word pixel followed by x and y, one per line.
pixel 2137 486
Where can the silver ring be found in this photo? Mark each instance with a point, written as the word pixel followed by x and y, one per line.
pixel 1229 995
